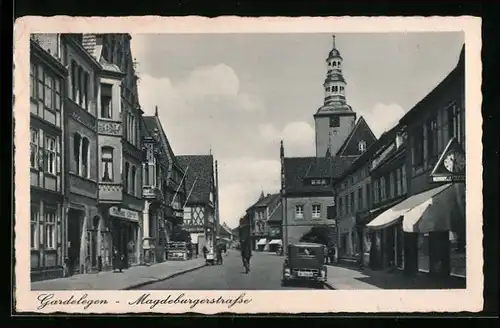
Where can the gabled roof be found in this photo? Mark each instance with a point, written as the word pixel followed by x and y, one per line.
pixel 276 214
pixel 361 131
pixel 299 168
pixel 266 200
pixel 199 168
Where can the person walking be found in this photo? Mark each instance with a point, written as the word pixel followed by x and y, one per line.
pixel 205 251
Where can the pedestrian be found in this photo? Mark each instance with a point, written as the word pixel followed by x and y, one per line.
pixel 117 260
pixel 205 251
pixel 331 254
pixel 219 254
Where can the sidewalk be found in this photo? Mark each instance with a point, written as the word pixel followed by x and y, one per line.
pixel 130 278
pixel 340 277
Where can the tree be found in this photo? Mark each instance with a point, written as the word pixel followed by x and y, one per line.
pixel 321 234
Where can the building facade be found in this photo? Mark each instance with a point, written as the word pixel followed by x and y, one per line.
pixel 200 207
pixel 431 219
pixel 431 124
pixel 265 236
pixel 47 94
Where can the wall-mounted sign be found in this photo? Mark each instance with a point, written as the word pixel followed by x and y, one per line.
pixel 124 214
pixel 451 164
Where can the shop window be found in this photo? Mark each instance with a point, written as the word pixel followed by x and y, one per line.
pixel 299 211
pixel 423 252
pixel 34 148
pixel 50 227
pixel 107 164
pixel 458 261
pixel 316 211
pixel 50 155
pixel 106 97
pixel 34 221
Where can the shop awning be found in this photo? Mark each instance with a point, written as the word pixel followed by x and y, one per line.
pixel 395 213
pixel 439 212
pixel 275 242
pixel 261 242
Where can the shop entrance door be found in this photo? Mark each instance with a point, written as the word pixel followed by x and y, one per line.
pixel 74 238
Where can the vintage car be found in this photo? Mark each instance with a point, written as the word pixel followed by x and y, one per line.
pixel 304 262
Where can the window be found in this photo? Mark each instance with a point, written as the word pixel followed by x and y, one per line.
pixel 86 87
pixel 34 148
pixel 33 80
pixel 49 91
pixel 107 164
pixel 316 211
pixel 80 86
pixel 304 251
pixel 403 178
pixel 454 123
pixel 360 199
pixel 41 86
pixel 351 198
pixel 50 228
pixel 106 96
pixel 362 146
pixel 146 175
pixel 50 155
pixel 35 217
pixel 76 151
pixel 432 138
pixel 132 185
pixel 392 185
pixel 334 121
pixel 299 211
pixel 340 206
pixel 125 179
pixel 399 182
pixel 418 151
pixel 376 191
pixel 85 157
pixel 383 190
pixel 57 95
pixel 74 86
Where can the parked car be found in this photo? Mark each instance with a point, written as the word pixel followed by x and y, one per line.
pixel 304 262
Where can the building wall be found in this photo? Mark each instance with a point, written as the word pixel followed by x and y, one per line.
pixel 339 134
pixel 297 227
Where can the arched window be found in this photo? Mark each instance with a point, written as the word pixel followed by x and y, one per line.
pixel 77 140
pixel 334 64
pixel 133 187
pixel 85 157
pixel 125 179
pixel 107 164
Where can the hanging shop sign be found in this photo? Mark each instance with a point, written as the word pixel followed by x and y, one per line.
pixel 124 213
pixel 451 164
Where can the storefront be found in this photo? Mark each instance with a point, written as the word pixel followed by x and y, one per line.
pixel 274 245
pixel 125 234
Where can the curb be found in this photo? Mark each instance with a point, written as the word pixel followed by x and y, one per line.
pixel 328 286
pixel 165 278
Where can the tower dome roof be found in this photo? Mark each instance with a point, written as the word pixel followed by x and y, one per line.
pixel 334 53
pixel 335 77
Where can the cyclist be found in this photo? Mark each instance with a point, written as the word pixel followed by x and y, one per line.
pixel 246 254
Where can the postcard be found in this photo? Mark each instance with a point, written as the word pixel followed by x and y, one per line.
pixel 248 165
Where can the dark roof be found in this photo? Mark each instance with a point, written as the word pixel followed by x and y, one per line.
pixel 199 168
pixel 266 200
pixel 361 127
pixel 276 214
pixel 298 168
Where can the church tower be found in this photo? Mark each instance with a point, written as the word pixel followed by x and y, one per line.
pixel 334 120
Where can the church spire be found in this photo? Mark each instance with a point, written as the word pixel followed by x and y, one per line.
pixel 335 83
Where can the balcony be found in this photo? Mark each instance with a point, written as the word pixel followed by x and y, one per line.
pixel 110 192
pixel 152 193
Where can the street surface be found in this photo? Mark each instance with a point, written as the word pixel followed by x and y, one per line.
pixel 265 274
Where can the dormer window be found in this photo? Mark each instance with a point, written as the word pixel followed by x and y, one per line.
pixel 362 146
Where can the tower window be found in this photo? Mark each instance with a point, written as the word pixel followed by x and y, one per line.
pixel 334 121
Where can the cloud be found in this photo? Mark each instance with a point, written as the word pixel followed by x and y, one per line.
pixel 241 181
pixel 383 117
pixel 298 137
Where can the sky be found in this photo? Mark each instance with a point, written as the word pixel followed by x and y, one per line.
pixel 238 95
